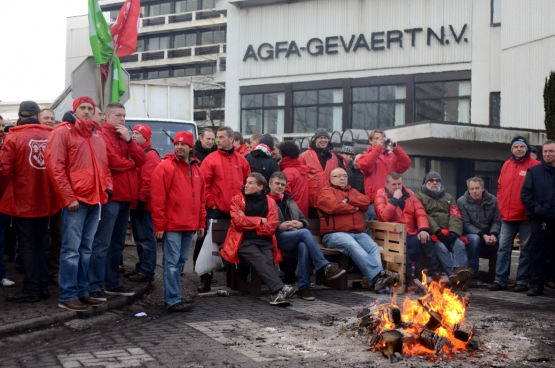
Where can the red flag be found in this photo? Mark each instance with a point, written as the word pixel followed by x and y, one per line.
pixel 126 29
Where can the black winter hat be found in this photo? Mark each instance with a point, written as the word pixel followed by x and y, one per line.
pixel 320 132
pixel 519 139
pixel 267 140
pixel 431 175
pixel 29 108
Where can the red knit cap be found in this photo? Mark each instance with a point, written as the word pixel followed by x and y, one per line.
pixel 185 137
pixel 81 100
pixel 144 130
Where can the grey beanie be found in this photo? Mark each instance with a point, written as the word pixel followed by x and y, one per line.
pixel 431 175
pixel 320 132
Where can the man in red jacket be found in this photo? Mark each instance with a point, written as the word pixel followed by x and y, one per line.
pixel 224 172
pixel 178 212
pixel 382 157
pixel 124 157
pixel 342 228
pixel 296 173
pixel 141 218
pixel 27 196
pixel 513 216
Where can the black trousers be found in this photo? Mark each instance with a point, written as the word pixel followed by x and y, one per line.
pixel 33 239
pixel 539 248
pixel 261 257
pixel 56 228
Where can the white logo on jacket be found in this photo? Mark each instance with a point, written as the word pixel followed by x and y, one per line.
pixel 36 156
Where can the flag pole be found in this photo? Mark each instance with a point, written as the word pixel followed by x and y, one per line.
pixel 101 88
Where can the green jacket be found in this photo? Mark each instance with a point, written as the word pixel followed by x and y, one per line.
pixel 442 212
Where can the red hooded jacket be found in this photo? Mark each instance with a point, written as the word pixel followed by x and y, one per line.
pixel 123 159
pixel 509 184
pixel 242 150
pixel 336 215
pixel 177 198
pixel 224 176
pixel 77 163
pixel 413 215
pixel 375 165
pixel 241 223
pixel 145 173
pixel 297 182
pixel 26 189
pixel 318 177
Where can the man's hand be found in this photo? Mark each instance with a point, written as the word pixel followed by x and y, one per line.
pixel 200 233
pixel 285 226
pixel 297 225
pixel 263 220
pixel 490 239
pixel 241 213
pixel 159 234
pixel 393 144
pixel 73 206
pixel 124 132
pixel 398 194
pixel 423 236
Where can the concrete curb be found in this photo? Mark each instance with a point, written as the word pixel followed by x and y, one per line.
pixel 45 321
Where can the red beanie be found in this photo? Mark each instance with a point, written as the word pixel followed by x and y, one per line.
pixel 144 130
pixel 185 137
pixel 78 101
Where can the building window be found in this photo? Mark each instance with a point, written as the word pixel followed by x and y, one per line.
pixel 208 4
pixel 443 101
pixel 495 109
pixel 317 109
pixel 133 75
pixel 208 69
pixel 186 6
pixel 158 43
pixel 159 9
pixel 185 40
pixel 496 13
pixel 209 98
pixel 378 107
pixel 263 113
pixel 140 45
pixel 156 74
pixel 212 37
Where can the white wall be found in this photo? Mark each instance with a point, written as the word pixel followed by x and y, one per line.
pixel 78 46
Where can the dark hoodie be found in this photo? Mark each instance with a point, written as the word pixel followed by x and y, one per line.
pixel 262 162
pixel 201 152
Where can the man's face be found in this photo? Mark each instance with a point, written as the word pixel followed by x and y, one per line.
pixel 322 142
pixel 434 184
pixel 116 117
pixel 224 142
pixel 277 186
pixel 1 127
pixel 339 178
pixel 254 143
pixel 519 150
pixel 347 157
pixel 393 185
pixel 182 150
pixel 98 116
pixel 138 137
pixel 475 189
pixel 207 140
pixel 84 111
pixel 236 144
pixel 47 118
pixel 377 140
pixel 276 154
pixel 549 154
pixel 252 187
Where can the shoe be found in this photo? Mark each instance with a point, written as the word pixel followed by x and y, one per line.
pixel 288 291
pixel 180 307
pixel 73 305
pixel 141 278
pixel 121 269
pixel 22 298
pixel 98 295
pixel 93 302
pixel 305 294
pixel 204 287
pixel 7 282
pixel 385 279
pixel 511 282
pixel 412 287
pixel 188 301
pixel 53 280
pixel 519 287
pixel 130 273
pixel 534 292
pixel 497 287
pixel 332 272
pixel 45 294
pixel 460 275
pixel 120 291
pixel 550 284
pixel 278 299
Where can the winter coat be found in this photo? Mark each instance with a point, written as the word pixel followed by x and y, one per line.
pixel 242 150
pixel 224 176
pixel 336 215
pixel 177 197
pixel 297 184
pixel 201 152
pixel 538 193
pixel 145 173
pixel 413 215
pixel 77 163
pixel 443 212
pixel 26 191
pixel 375 165
pixel 509 185
pixel 318 177
pixel 242 223
pixel 293 212
pixel 123 159
pixel 262 163
pixel 480 218
pixel 356 178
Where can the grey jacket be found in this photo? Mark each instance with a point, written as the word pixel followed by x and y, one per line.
pixel 482 218
pixel 293 210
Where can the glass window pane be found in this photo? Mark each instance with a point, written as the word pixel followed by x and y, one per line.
pixel 274 99
pixel 179 41
pixel 207 69
pixel 219 37
pixel 192 5
pixel 180 6
pixel 412 178
pixel 392 93
pixel 154 44
pixel 305 119
pixel 207 4
pixel 365 94
pixel 325 118
pixel 136 75
pixel 305 98
pixel 457 111
pixel 456 89
pixel 179 72
pixel 191 39
pixel 207 38
pixel 447 170
pixel 273 121
pixel 429 110
pixel 496 12
pixel 163 74
pixel 154 10
pixel 327 96
pixel 153 75
pixel 429 90
pixel 165 8
pixel 495 109
pixel 140 45
pixel 164 43
pixel 249 101
pixel 399 114
pixel 365 116
pixel 251 121
pixel 190 71
pixel 387 115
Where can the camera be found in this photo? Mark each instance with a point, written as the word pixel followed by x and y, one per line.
pixel 386 142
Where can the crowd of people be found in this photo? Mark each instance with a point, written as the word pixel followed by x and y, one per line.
pixel 68 191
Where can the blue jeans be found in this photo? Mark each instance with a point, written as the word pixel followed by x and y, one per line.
pixel 143 233
pixel 361 248
pixel 3 225
pixel 473 250
pixel 507 237
pixel 176 246
pixel 79 228
pixel 449 260
pixel 302 242
pixel 107 247
pixel 371 213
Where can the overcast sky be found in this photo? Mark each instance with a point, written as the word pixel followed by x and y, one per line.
pixel 32 47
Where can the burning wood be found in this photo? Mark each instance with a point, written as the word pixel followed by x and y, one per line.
pixel 393 342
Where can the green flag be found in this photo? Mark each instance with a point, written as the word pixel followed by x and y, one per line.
pixel 99 33
pixel 118 83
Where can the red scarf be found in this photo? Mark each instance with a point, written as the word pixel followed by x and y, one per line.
pixel 289 162
pixel 276 197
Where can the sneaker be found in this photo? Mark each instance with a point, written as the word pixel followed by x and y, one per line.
pixel 332 272
pixel 497 287
pixel 519 287
pixel 120 291
pixel 278 299
pixel 180 307
pixel 534 292
pixel 288 291
pixel 385 279
pixel 98 295
pixel 141 278
pixel 7 282
pixel 73 305
pixel 305 294
pixel 460 275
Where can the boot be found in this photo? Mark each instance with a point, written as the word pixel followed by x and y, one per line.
pixel 204 287
pixel 459 275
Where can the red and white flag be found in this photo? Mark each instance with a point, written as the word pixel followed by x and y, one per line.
pixel 126 29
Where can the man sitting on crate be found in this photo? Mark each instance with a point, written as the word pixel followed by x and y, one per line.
pixel 252 236
pixel 396 203
pixel 341 208
pixel 293 236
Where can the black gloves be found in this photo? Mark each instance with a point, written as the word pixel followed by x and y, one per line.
pixel 109 192
pixel 69 117
pixel 452 238
pixel 442 238
pixel 139 211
